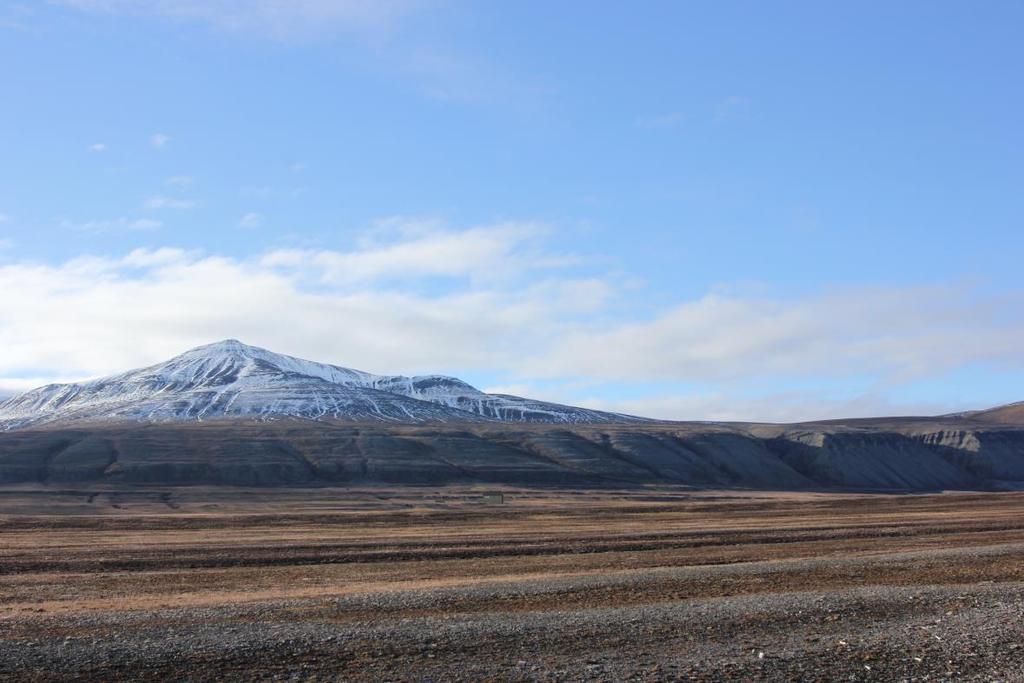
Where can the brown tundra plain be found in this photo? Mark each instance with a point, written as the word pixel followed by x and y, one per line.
pixel 457 583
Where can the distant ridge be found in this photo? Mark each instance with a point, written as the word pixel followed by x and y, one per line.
pixel 229 379
pixel 1011 413
pixel 233 414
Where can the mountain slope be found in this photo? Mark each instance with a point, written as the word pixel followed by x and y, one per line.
pixel 1009 414
pixel 231 379
pixel 925 456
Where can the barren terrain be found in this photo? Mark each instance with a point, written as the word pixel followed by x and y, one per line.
pixel 425 583
pixel 874 455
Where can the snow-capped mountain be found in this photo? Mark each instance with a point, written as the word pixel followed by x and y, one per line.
pixel 230 379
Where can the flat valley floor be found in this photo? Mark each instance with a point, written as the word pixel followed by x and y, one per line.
pixel 424 584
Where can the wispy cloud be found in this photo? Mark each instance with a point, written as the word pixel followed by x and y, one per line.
pixel 163 256
pixel 663 121
pixel 12 386
pixel 98 147
pixel 251 220
pixel 449 76
pixel 284 20
pixel 772 407
pixel 16 16
pixel 733 107
pixel 159 202
pixel 411 250
pixel 383 27
pixel 159 140
pixel 113 225
pixel 256 192
pixel 892 334
pixel 180 181
pixel 513 389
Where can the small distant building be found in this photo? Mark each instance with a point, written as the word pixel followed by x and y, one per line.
pixel 493 498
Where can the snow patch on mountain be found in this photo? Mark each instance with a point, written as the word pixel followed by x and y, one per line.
pixel 230 379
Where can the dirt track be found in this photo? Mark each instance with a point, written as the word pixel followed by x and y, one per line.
pixel 431 585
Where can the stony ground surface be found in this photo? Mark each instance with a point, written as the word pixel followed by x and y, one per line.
pixel 431 585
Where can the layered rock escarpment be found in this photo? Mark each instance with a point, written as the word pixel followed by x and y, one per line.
pixel 918 457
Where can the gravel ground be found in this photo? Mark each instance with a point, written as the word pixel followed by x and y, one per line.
pixel 934 633
pixel 932 607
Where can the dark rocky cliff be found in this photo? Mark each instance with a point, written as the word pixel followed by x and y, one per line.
pixel 923 455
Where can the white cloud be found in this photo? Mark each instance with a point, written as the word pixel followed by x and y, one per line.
pixel 897 333
pixel 251 220
pixel 180 181
pixel 113 225
pixel 778 407
pixel 98 147
pixel 12 386
pixel 164 256
pixel 159 140
pixel 422 297
pixel 275 19
pixel 513 389
pixel 425 250
pixel 385 29
pixel 159 202
pixel 90 317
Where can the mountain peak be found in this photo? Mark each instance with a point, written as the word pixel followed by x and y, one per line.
pixel 230 379
pixel 222 346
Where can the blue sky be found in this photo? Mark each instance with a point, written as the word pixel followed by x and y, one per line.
pixel 692 210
